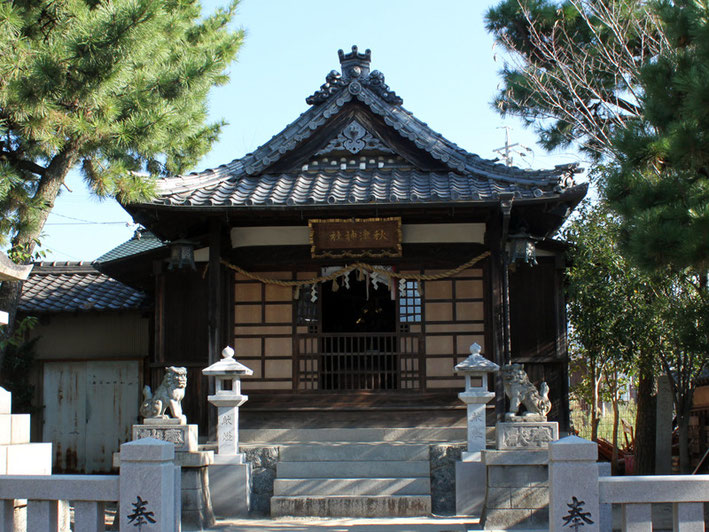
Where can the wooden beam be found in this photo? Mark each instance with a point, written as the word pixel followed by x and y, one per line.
pixel 214 311
pixel 214 307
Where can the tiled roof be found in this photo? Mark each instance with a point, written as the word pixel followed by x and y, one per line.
pixel 462 176
pixel 74 287
pixel 141 242
pixel 342 187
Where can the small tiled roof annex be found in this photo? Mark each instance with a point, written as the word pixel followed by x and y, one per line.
pixel 54 287
pixel 141 242
pixel 242 183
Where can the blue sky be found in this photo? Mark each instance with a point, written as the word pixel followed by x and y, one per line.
pixel 436 56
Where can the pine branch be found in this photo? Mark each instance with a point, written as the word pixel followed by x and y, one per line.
pixel 22 164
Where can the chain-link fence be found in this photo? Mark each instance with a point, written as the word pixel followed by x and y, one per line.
pixel 581 422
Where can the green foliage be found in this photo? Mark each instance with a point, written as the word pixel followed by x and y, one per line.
pixel 609 307
pixel 118 87
pixel 602 287
pixel 571 67
pixel 624 318
pixel 17 364
pixel 628 82
pixel 661 186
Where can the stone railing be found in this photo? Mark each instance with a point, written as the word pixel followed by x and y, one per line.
pixel 578 498
pixel 637 494
pixel 48 500
pixel 147 492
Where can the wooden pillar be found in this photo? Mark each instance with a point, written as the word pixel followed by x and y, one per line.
pixel 495 310
pixel 214 311
pixel 561 347
pixel 506 211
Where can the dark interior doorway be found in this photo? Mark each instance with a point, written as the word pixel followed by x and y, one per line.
pixel 358 342
pixel 356 310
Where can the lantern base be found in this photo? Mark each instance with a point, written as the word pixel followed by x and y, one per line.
pixel 230 487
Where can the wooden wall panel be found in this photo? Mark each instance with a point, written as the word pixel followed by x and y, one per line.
pixel 538 328
pixel 184 320
pixel 263 331
pixel 93 336
pixel 454 317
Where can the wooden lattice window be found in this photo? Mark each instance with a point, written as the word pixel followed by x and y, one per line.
pixel 307 312
pixel 410 303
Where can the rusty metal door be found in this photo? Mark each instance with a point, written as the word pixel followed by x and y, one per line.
pixel 89 408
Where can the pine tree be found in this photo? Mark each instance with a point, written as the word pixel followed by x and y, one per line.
pixel 626 81
pixel 117 88
pixel 571 68
pixel 661 187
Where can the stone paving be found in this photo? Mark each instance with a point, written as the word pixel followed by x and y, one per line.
pixel 312 524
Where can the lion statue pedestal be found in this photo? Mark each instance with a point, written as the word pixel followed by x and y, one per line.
pixel 197 512
pixel 155 407
pixel 517 492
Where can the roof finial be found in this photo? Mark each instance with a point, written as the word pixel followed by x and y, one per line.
pixel 354 64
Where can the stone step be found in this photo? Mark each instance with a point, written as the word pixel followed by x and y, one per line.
pixel 352 506
pixel 356 469
pixel 343 451
pixel 307 435
pixel 351 486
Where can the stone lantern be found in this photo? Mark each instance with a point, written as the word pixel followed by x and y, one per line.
pixel 229 475
pixel 227 398
pixel 470 472
pixel 476 396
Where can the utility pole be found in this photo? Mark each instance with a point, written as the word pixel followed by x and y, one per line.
pixel 506 151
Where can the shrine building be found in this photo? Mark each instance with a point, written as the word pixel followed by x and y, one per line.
pixel 351 261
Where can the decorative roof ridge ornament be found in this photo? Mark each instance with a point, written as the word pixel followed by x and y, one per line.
pixel 355 65
pixel 355 75
pixel 354 137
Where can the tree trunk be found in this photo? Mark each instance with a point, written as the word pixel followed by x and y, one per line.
pixel 684 465
pixel 9 300
pixel 616 420
pixel 595 418
pixel 645 422
pixel 32 223
pixel 683 414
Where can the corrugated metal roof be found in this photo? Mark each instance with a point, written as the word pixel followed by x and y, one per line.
pixel 74 287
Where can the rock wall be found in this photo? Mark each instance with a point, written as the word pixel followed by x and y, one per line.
pixel 263 472
pixel 443 458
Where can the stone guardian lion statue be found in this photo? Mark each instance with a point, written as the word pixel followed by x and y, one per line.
pixel 168 395
pixel 521 391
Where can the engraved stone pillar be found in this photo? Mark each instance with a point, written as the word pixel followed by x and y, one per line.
pixel 150 483
pixel 470 472
pixel 573 485
pixel 230 475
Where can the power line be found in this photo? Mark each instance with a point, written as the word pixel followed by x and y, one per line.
pixel 127 224
pixel 80 221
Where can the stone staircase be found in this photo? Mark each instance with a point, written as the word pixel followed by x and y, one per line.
pixel 352 472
